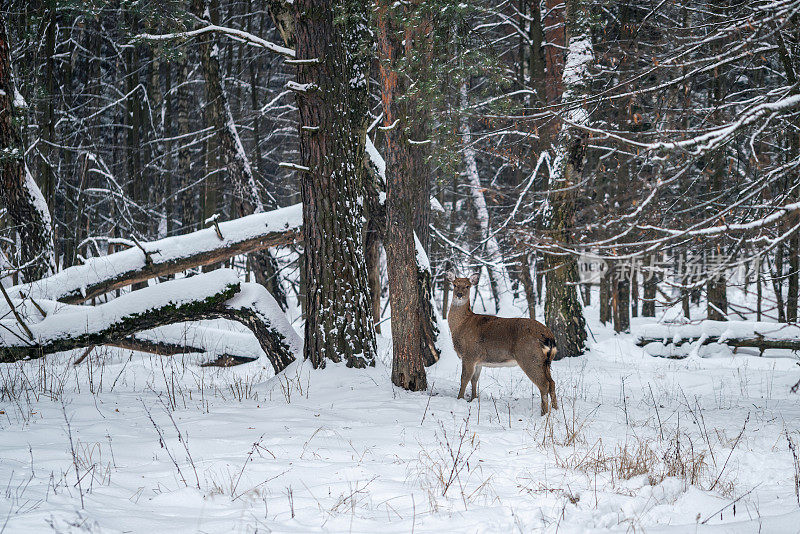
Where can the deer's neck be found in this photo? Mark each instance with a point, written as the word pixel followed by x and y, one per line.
pixel 460 311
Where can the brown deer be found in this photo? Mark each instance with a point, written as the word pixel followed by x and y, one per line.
pixel 489 341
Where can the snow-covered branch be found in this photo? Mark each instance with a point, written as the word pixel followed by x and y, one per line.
pixel 238 35
pixel 166 256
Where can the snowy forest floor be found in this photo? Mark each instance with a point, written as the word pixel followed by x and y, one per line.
pixel 127 442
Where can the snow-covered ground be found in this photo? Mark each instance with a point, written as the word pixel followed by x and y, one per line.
pixel 134 443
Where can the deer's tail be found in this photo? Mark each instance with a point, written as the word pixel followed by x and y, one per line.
pixel 549 349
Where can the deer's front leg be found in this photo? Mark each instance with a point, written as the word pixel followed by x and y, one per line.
pixel 467 369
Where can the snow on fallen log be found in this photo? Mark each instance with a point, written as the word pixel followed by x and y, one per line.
pixel 678 340
pixel 167 256
pixel 215 295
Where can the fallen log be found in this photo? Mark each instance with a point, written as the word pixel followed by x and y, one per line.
pixel 193 337
pixel 214 295
pixel 677 341
pixel 167 256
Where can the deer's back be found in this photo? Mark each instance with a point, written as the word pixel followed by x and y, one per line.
pixel 497 340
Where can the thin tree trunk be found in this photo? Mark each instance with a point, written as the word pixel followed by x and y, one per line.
pixel 649 287
pixel 498 275
pixel 527 284
pixel 246 191
pixel 604 298
pixel 620 298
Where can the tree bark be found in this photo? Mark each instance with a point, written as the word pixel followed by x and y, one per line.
pixel 563 313
pixel 332 39
pixel 620 299
pixel 527 283
pixel 716 289
pixel 604 298
pixel 408 370
pixel 27 208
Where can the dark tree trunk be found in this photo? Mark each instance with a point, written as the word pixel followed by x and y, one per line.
pixel 372 249
pixel 27 209
pixel 527 284
pixel 332 42
pixel 717 299
pixel 187 196
pixel 649 287
pixel 620 300
pixel 604 298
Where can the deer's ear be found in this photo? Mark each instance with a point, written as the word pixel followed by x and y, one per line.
pixel 451 276
pixel 473 279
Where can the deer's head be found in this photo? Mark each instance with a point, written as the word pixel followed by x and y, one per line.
pixel 461 287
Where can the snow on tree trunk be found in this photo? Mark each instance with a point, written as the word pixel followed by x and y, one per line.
pixel 27 209
pixel 563 313
pixel 498 274
pixel 333 38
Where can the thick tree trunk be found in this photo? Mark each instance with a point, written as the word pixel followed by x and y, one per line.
pixel 408 370
pixel 333 38
pixel 27 208
pixel 563 313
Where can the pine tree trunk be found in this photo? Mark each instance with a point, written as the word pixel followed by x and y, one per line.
pixel 563 313
pixel 27 209
pixel 333 105
pixel 408 370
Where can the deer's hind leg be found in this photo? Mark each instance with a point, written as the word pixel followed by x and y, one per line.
pixel 551 385
pixel 535 371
